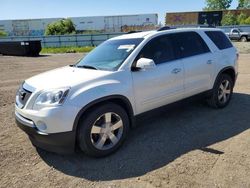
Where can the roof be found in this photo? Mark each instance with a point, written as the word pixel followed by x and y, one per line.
pixel 148 34
pixel 135 35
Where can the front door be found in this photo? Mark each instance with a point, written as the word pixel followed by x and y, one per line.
pixel 162 84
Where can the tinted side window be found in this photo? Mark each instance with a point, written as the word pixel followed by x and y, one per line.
pixel 219 39
pixel 190 44
pixel 159 49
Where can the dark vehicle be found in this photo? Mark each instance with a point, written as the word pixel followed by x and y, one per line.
pixel 239 35
pixel 22 48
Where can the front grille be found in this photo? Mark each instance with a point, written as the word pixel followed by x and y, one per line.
pixel 22 97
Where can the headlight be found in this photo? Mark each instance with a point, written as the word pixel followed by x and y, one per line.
pixel 49 98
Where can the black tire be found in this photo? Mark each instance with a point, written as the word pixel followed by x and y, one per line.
pixel 243 39
pixel 214 99
pixel 86 139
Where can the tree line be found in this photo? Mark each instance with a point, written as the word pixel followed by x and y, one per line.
pixel 230 18
pixel 225 4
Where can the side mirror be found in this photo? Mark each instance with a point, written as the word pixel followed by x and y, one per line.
pixel 145 63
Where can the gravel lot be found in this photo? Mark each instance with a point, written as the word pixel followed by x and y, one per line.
pixel 183 145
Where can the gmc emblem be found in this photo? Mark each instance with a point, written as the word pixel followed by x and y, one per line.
pixel 22 94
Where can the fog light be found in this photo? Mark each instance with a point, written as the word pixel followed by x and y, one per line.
pixel 41 126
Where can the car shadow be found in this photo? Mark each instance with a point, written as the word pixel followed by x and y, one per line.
pixel 161 136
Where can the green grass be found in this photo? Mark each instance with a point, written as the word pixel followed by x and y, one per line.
pixel 57 50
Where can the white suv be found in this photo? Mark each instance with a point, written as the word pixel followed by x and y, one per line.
pixel 92 104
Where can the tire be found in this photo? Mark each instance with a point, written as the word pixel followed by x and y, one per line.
pixel 222 92
pixel 243 39
pixel 103 130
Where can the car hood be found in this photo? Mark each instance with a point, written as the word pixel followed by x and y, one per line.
pixel 64 77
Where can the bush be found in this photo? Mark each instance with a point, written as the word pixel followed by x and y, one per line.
pixel 241 19
pixel 61 27
pixel 247 21
pixel 3 34
pixel 229 19
pixel 232 19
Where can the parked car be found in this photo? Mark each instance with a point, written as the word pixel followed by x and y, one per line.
pixel 93 104
pixel 239 35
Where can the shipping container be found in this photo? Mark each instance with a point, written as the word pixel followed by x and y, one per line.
pixel 113 23
pixel 182 18
pixel 238 12
pixel 36 27
pixel 199 18
pixel 210 18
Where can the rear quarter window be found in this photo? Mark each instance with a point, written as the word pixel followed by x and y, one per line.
pixel 219 39
pixel 190 44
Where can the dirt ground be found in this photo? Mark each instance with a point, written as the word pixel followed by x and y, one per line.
pixel 183 145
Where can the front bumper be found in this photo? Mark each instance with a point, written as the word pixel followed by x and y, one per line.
pixel 63 143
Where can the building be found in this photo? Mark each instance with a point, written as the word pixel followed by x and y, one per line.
pixel 199 18
pixel 36 27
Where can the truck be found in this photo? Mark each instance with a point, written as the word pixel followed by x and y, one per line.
pixel 239 35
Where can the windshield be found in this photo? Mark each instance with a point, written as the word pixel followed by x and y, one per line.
pixel 110 54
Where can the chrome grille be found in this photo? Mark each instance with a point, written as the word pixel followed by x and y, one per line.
pixel 22 97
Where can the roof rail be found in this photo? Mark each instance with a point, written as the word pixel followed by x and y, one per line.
pixel 130 32
pixel 206 26
pixel 166 28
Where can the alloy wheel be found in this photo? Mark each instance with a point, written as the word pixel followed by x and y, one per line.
pixel 106 131
pixel 224 91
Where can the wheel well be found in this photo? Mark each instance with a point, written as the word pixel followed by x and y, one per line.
pixel 244 36
pixel 229 71
pixel 119 100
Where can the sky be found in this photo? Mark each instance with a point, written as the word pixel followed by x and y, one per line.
pixel 28 9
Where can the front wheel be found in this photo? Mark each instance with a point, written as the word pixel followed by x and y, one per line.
pixel 103 130
pixel 222 92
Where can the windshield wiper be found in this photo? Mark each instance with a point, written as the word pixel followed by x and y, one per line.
pixel 87 67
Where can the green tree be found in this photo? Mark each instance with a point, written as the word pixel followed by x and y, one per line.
pixel 241 19
pixel 229 19
pixel 217 4
pixel 61 27
pixel 3 34
pixel 247 21
pixel 243 4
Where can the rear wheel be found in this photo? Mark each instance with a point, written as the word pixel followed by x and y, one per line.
pixel 243 39
pixel 103 130
pixel 222 92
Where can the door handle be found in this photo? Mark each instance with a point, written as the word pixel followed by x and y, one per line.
pixel 209 62
pixel 176 71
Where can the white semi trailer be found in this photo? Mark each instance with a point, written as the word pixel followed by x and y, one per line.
pixel 36 27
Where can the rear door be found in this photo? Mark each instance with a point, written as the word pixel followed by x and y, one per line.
pixel 198 61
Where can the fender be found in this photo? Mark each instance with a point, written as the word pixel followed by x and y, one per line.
pixel 125 100
pixel 223 70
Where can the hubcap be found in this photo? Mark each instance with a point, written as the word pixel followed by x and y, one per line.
pixel 106 131
pixel 224 91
